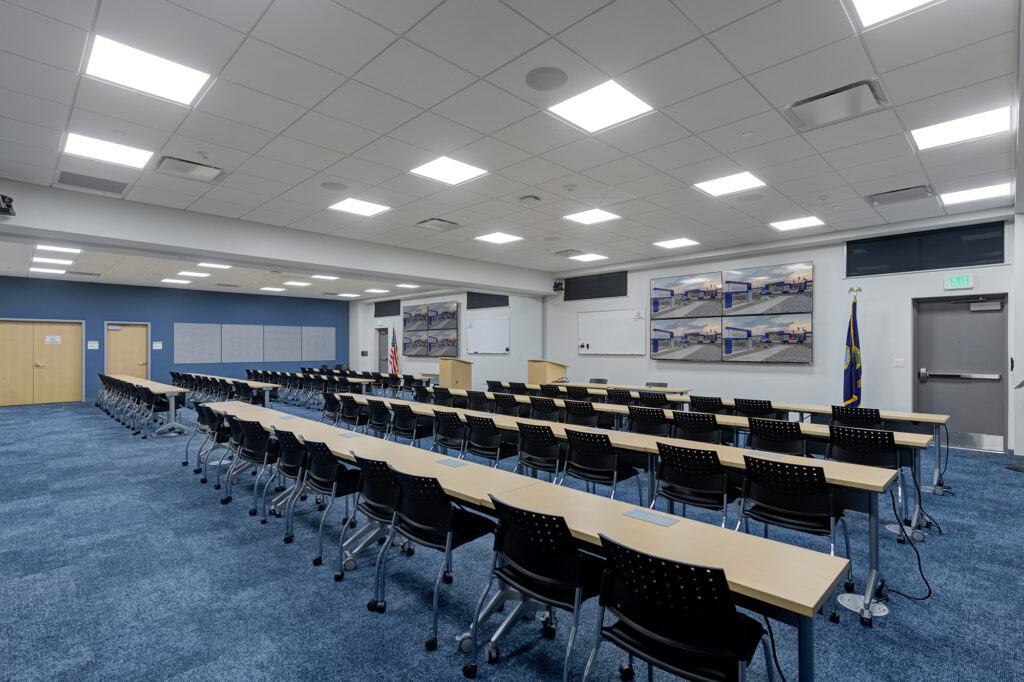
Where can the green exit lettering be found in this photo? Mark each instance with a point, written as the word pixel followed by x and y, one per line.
pixel 959 282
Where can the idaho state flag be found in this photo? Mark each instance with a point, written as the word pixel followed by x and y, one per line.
pixel 851 365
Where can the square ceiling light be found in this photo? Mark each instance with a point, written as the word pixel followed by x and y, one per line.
pixel 601 107
pixel 730 184
pixel 591 217
pixel 587 257
pixel 676 243
pixel 358 207
pixel 962 129
pixel 796 223
pixel 109 152
pixel 872 12
pixel 118 63
pixel 977 194
pixel 448 171
pixel 498 238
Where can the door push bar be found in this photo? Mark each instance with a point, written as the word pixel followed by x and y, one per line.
pixel 923 375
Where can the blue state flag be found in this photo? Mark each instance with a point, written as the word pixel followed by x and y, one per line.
pixel 852 364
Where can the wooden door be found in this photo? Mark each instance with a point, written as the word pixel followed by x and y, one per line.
pixel 16 363
pixel 57 362
pixel 127 350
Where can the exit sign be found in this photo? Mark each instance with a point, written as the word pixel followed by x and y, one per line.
pixel 958 282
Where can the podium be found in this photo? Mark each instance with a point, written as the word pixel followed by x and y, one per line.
pixel 455 373
pixel 545 371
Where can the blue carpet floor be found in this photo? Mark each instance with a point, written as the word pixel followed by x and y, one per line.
pixel 118 565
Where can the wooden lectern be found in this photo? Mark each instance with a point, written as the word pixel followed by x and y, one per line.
pixel 455 373
pixel 545 371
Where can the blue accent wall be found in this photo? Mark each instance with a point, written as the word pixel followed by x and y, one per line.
pixel 37 298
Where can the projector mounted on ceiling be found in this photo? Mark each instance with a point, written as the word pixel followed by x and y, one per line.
pixel 189 169
pixel 849 101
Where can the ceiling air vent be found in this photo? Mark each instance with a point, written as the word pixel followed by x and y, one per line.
pixel 188 169
pixel 437 224
pixel 898 196
pixel 88 182
pixel 76 273
pixel 836 105
pixel 568 252
pixel 228 286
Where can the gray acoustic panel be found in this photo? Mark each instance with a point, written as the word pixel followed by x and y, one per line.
pixel 318 344
pixel 282 344
pixel 196 343
pixel 241 343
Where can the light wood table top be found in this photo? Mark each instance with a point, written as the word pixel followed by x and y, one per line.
pixel 888 415
pixel 250 384
pixel 873 479
pixel 156 387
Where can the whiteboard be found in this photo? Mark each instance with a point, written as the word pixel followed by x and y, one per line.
pixel 487 335
pixel 282 344
pixel 318 343
pixel 195 343
pixel 241 343
pixel 612 332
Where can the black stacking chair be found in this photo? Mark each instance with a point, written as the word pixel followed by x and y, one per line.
pixel 353 414
pixel 151 406
pixel 486 440
pixel 332 409
pixel 378 495
pixel 506 404
pixel 653 399
pixel 233 444
pixel 580 413
pixel 215 434
pixel 700 403
pixel 543 408
pixel 579 393
pixel 409 383
pixel 539 450
pixel 675 616
pixel 775 435
pixel 495 386
pixel 860 417
pixel 698 426
pixel 744 407
pixel 619 396
pixel 656 384
pixel 255 449
pixel 443 397
pixel 421 395
pixel 793 496
pixel 449 431
pixel 536 555
pixel 407 424
pixel 290 464
pixel 379 421
pixel 648 420
pixel 692 476
pixel 592 459
pixel 518 388
pixel 869 447
pixel 550 391
pixel 478 400
pixel 426 516
pixel 598 381
pixel 245 394
pixel 327 478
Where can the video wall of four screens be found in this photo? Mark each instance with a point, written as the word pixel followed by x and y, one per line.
pixel 761 314
pixel 431 330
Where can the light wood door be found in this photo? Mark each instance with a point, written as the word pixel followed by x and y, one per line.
pixel 57 362
pixel 127 350
pixel 16 363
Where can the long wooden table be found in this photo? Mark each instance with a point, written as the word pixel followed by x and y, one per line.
pixel 168 391
pixel 264 386
pixel 600 390
pixel 785 582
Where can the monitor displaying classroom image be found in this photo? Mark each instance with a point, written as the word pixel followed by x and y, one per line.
pixel 414 317
pixel 769 290
pixel 415 343
pixel 768 338
pixel 695 339
pixel 443 315
pixel 686 296
pixel 443 343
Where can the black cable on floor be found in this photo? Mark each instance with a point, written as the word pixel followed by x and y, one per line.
pixel 920 568
pixel 924 513
pixel 771 638
pixel 946 463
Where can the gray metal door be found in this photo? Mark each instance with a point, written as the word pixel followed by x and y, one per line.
pixel 382 350
pixel 961 362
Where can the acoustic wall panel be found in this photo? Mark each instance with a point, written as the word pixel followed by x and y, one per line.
pixel 194 343
pixel 282 344
pixel 318 343
pixel 241 343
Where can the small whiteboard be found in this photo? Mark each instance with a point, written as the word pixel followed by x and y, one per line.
pixel 612 332
pixel 487 335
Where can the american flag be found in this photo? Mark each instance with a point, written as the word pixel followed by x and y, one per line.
pixel 393 353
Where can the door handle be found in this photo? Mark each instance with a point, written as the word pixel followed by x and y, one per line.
pixel 923 375
pixel 143 362
pixel 40 364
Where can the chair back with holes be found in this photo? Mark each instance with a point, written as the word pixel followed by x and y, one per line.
pixel 543 408
pixel 255 439
pixel 775 435
pixel 580 413
pixel 484 437
pixel 550 391
pixel 691 468
pixel 323 466
pixel 869 447
pixel 753 408
pixel 448 428
pixel 495 386
pixel 293 452
pixel 380 416
pixel 237 435
pixel 619 396
pixel 538 545
pixel 378 487
pixel 518 388
pixel 591 455
pixel 701 403
pixel 242 391
pixel 578 393
pixel 861 417
pixel 699 426
pixel 598 381
pixel 351 411
pixel 442 396
pixel 421 395
pixel 653 399
pixel 404 421
pixel 538 447
pixel 477 400
pixel 332 405
pixel 798 490
pixel 423 506
pixel 648 420
pixel 506 404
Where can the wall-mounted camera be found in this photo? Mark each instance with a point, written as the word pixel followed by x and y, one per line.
pixel 6 205
pixel 559 285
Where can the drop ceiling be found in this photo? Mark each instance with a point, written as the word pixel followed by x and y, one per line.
pixel 358 92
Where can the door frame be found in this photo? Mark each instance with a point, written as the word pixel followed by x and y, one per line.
pixel 47 319
pixel 1005 298
pixel 149 344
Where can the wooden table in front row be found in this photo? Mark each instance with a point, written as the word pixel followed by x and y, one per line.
pixel 166 390
pixel 784 582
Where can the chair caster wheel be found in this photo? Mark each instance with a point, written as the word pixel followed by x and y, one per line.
pixel 279 489
pixel 465 642
pixel 253 512
pixel 352 523
pixel 493 653
pixel 409 551
pixel 918 536
pixel 225 500
pixel 317 560
pixel 549 630
pixel 185 463
pixel 350 564
pixel 197 470
pixel 252 473
pixel 882 592
pixel 378 606
pixel 288 539
pixel 901 539
pixel 431 643
pixel 203 479
pixel 339 576
pixel 625 671
pixel 448 577
pixel 380 541
pixel 833 616
pixel 321 507
pixel 848 586
pixel 469 670
pixel 302 497
pixel 865 621
pixel 216 486
pixel 263 519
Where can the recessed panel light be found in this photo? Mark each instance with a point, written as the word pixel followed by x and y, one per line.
pixel 796 223
pixel 298 284
pixel 218 266
pixel 55 261
pixel 448 171
pixel 408 286
pixel 676 243
pixel 110 152
pixel 963 129
pixel 349 295
pixel 324 277
pixel 601 107
pixel 729 184
pixel 49 271
pixel 977 194
pixel 376 291
pixel 498 238
pixel 58 249
pixel 271 289
pixel 587 257
pixel 118 63
pixel 358 207
pixel 872 12
pixel 188 273
pixel 594 215
pixel 176 281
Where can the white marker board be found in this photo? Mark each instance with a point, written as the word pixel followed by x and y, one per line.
pixel 612 332
pixel 487 335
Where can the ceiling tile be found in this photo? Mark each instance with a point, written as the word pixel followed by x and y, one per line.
pixel 14 168
pixel 129 133
pixel 623 170
pixel 706 170
pixel 855 131
pixel 329 132
pixel 627 33
pixel 252 183
pixel 272 169
pixel 247 106
pixel 815 73
pixel 395 154
pixel 732 102
pixel 172 184
pixel 891 183
pixel 299 153
pixel 78 13
pixel 928 207
pixel 679 153
pixel 792 170
pixel 323 32
pixel 109 171
pixel 733 137
pixel 646 132
pixel 198 151
pixel 490 154
pixel 41 38
pixel 207 127
pixel 583 154
pixel 236 196
pixel 16 154
pixel 112 100
pixel 494 185
pixel 221 208
pixel 779 151
pixel 484 107
pixel 413 185
pixel 281 212
pixel 36 79
pixel 240 15
pixel 539 133
pixel 881 169
pixel 580 75
pixel 430 131
pixel 709 16
pixel 399 17
pixel 973 99
pixel 534 171
pixel 32 135
pixel 29 109
pixel 479 35
pixel 555 16
pixel 650 185
pixel 367 107
pixel 975 149
pixel 824 182
pixel 684 72
pixel 354 168
pixel 415 75
pixel 274 72
pixel 159 197
pixel 868 152
pixel 781 31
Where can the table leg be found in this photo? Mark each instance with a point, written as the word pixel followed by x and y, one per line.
pixel 266 397
pixel 805 648
pixel 172 424
pixel 652 476
pixel 937 486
